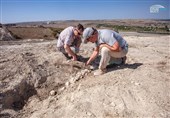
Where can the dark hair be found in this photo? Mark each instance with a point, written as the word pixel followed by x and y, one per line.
pixel 80 27
pixel 94 30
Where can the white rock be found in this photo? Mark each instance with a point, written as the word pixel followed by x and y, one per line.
pixel 83 72
pixel 72 80
pixel 81 76
pixel 77 78
pixel 67 84
pixel 92 67
pixel 86 70
pixel 61 89
pixel 89 114
pixel 137 84
pixel 78 74
pixel 68 61
pixel 113 104
pixel 52 92
pixel 78 88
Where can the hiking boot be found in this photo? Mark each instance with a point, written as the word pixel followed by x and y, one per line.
pixel 99 72
pixel 124 60
pixel 67 56
pixel 114 61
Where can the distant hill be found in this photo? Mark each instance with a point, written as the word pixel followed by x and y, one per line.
pixel 127 22
pixel 49 29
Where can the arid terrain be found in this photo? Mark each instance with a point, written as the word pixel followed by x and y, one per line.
pixel 49 30
pixel 36 81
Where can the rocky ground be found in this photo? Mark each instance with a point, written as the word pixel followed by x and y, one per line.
pixel 36 81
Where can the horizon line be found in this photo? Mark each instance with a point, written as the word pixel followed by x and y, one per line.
pixel 80 20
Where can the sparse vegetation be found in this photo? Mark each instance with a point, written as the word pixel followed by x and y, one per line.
pixel 45 36
pixel 56 31
pixel 16 37
pixel 31 32
pixel 151 29
pixel 42 30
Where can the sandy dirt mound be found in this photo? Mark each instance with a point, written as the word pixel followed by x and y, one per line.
pixel 38 82
pixel 31 32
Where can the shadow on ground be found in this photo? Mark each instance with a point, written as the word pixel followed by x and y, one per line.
pixel 130 66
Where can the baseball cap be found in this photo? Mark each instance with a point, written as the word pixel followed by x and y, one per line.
pixel 87 33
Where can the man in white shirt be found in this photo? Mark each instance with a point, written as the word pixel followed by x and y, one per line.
pixel 66 39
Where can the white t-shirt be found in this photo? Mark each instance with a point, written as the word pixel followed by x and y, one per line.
pixel 66 37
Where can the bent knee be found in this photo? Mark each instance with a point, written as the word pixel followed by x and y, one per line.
pixel 104 50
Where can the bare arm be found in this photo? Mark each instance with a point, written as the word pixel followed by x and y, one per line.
pixel 79 41
pixel 115 46
pixel 93 56
pixel 69 51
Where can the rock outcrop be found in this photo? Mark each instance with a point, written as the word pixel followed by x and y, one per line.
pixel 5 34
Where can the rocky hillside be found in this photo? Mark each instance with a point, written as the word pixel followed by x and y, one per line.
pixel 36 81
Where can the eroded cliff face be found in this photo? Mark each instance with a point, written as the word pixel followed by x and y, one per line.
pixel 5 35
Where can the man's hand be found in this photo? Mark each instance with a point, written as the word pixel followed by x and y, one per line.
pixel 86 64
pixel 70 52
pixel 93 56
pixel 74 58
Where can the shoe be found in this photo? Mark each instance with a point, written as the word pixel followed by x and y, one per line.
pixel 114 61
pixel 124 59
pixel 67 56
pixel 99 72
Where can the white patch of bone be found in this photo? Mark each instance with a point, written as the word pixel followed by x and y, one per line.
pixel 79 75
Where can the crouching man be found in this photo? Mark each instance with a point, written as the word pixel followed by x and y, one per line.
pixel 70 37
pixel 109 42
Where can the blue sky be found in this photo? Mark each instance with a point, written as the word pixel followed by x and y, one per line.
pixel 12 11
